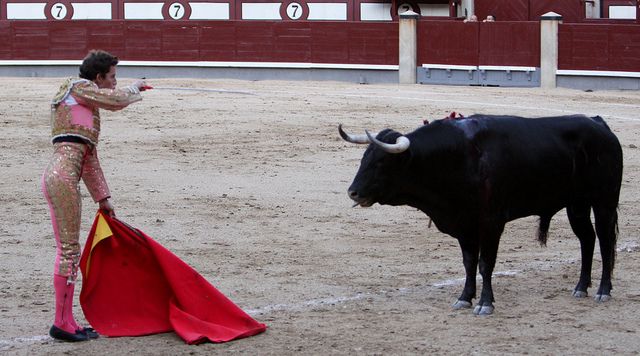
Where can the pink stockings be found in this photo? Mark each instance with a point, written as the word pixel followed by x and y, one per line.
pixel 64 304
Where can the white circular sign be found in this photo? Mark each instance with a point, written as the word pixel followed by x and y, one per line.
pixel 404 8
pixel 59 11
pixel 294 11
pixel 176 11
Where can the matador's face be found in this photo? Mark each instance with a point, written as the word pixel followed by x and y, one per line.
pixel 108 81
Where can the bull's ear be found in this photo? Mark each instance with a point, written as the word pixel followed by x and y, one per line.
pixel 351 138
pixel 402 144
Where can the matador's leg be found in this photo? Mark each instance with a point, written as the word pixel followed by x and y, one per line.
pixel 60 184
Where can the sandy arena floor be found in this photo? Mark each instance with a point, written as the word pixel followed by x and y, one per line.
pixel 251 192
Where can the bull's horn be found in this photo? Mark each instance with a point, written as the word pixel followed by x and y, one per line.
pixel 352 138
pixel 401 145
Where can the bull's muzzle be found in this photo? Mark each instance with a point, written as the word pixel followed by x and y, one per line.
pixel 357 199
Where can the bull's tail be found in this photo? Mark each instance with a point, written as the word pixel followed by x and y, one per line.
pixel 543 229
pixel 607 229
pixel 614 252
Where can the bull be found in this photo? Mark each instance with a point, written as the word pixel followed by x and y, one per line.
pixel 473 175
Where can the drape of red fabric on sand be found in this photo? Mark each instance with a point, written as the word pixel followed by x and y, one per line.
pixel 133 286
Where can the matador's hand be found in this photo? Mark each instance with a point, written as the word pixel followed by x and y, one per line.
pixel 141 85
pixel 107 207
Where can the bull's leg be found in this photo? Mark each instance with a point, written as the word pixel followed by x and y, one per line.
pixel 580 220
pixel 470 260
pixel 606 227
pixel 488 254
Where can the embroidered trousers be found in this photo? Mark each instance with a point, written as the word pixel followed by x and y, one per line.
pixel 70 163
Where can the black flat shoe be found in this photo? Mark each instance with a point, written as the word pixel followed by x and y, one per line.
pixel 59 334
pixel 92 334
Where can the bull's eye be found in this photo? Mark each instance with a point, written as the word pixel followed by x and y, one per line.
pixel 384 162
pixel 381 162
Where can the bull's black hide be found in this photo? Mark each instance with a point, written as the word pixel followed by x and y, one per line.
pixel 473 175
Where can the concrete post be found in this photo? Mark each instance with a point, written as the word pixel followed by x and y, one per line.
pixel 408 48
pixel 592 9
pixel 549 48
pixel 468 8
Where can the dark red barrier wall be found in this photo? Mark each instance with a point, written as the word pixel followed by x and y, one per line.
pixel 510 44
pixel 606 47
pixel 593 46
pixel 448 42
pixel 497 43
pixel 241 41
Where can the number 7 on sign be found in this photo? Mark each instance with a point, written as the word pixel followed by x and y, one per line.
pixel 176 11
pixel 294 11
pixel 59 11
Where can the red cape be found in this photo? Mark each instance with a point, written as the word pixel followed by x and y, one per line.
pixel 133 286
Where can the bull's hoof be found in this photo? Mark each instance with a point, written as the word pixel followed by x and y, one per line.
pixel 483 310
pixel 461 304
pixel 602 298
pixel 579 294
